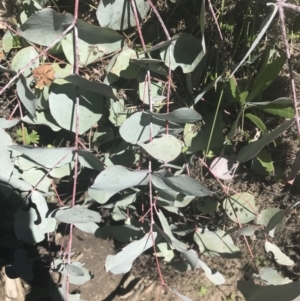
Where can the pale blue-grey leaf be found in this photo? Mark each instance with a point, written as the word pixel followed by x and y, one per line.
pixel 118 14
pixel 137 127
pixel 115 179
pixel 6 123
pixel 62 101
pixel 77 214
pixel 87 159
pixel 48 157
pixel 27 98
pixel 96 87
pixel 6 164
pixel 45 26
pixel 122 261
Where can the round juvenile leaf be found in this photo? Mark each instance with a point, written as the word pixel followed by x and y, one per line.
pixel 223 167
pixel 166 148
pixel 271 276
pixel 48 157
pixel 22 58
pixel 118 14
pixel 271 218
pixel 42 118
pixel 123 66
pixel 91 47
pixel 215 243
pixel 74 270
pixel 31 233
pixel 240 207
pixel 29 8
pixel 77 214
pixel 137 127
pixel 122 261
pixel 45 26
pixel 186 52
pixel 279 256
pixel 247 231
pixel 62 100
pixel 6 165
pixel 78 274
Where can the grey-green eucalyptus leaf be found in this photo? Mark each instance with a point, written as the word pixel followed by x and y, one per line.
pixel 137 127
pixel 284 292
pixel 77 214
pixel 186 52
pixel 166 148
pixel 96 87
pixel 271 276
pixel 122 261
pixel 28 99
pixel 48 157
pixel 22 58
pixel 6 164
pixel 6 123
pixel 240 207
pixel 115 179
pixel 214 243
pixel 62 101
pixel 118 14
pixel 279 256
pixel 45 26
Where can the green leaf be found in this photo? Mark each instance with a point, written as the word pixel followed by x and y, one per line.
pixel 199 140
pixel 42 117
pixel 265 160
pixel 186 52
pixel 266 76
pixel 277 110
pixel 264 26
pixel 29 7
pixel 33 137
pixel 118 14
pixel 257 121
pixel 253 148
pixel 182 115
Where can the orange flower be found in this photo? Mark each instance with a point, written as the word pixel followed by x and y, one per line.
pixel 44 75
